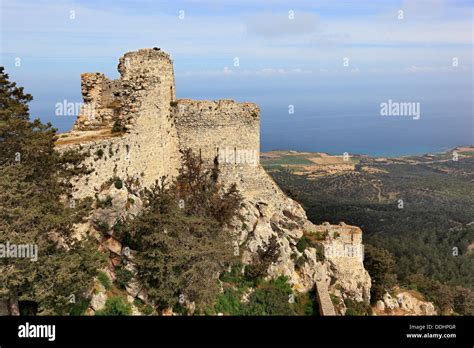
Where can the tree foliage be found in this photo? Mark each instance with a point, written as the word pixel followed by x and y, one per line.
pixel 181 238
pixel 36 210
pixel 381 267
pixel 429 238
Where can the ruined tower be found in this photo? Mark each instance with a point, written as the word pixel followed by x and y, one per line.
pixel 125 124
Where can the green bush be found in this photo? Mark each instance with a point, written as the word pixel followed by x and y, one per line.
pixel 269 299
pixel 380 264
pixel 118 184
pixel 335 300
pixel 357 308
pixel 80 307
pixel 142 307
pixel 229 302
pixel 104 280
pixel 103 227
pixel 115 306
pixel 306 304
pixel 118 127
pixel 122 277
pixel 302 244
pixel 235 277
pixel 148 310
pixel 99 153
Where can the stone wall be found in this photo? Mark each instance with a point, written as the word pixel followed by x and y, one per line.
pixel 140 101
pixel 99 108
pixel 156 126
pixel 220 128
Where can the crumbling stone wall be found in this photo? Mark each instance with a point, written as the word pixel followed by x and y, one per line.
pixel 147 146
pixel 220 128
pixel 156 126
pixel 99 106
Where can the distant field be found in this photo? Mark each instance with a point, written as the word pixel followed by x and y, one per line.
pixel 437 192
pixel 289 160
pixel 302 163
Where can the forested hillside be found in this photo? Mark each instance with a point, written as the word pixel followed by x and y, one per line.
pixel 420 209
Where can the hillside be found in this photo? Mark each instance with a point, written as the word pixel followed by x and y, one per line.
pixel 420 208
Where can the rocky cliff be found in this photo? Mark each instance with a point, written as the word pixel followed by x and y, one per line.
pixel 132 128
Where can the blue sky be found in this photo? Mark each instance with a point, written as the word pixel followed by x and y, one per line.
pixel 289 52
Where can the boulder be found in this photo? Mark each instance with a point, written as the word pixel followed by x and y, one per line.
pixel 112 244
pixel 380 305
pixel 98 300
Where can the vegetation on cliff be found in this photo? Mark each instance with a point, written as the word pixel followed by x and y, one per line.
pixel 181 238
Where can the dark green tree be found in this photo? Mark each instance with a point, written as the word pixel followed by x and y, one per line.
pixel 381 267
pixel 36 209
pixel 181 237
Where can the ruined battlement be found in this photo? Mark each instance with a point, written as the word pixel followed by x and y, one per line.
pixel 148 126
pixel 222 128
pixel 212 112
pixel 144 74
pixel 145 63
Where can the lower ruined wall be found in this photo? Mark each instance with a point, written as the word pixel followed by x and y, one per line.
pixel 142 156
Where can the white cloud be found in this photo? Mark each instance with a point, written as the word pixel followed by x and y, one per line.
pixel 271 25
pixel 208 42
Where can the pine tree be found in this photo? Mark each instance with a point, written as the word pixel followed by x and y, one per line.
pixel 181 238
pixel 35 209
pixel 380 264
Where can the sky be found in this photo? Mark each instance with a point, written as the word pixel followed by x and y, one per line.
pixel 333 61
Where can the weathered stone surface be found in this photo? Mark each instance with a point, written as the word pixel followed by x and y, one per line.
pixel 112 244
pixel 156 126
pixel 123 204
pixel 413 305
pixel 98 298
pixel 404 302
pixel 390 302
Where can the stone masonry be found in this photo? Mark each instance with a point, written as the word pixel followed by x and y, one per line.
pixel 134 128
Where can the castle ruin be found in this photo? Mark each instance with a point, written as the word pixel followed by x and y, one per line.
pixel 141 126
pixel 134 127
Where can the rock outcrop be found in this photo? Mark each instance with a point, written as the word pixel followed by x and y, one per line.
pixel 133 129
pixel 404 302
